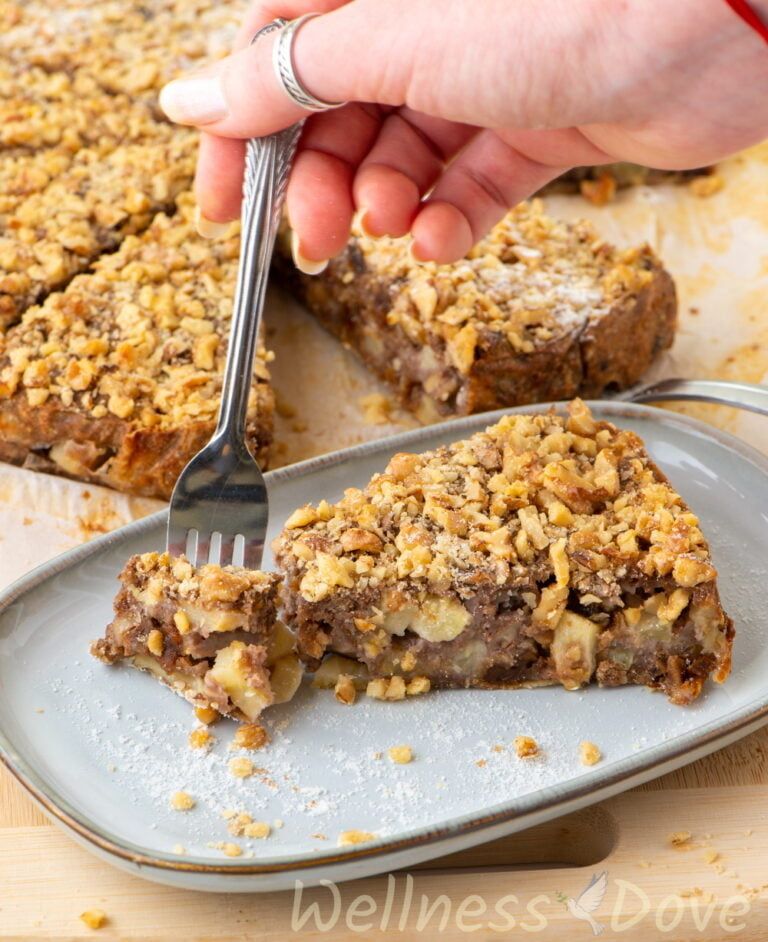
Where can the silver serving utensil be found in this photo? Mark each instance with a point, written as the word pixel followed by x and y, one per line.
pixel 219 508
pixel 747 396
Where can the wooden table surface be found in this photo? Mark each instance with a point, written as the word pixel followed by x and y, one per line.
pixel 715 883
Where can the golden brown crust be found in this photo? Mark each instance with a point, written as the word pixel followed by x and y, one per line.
pixel 539 311
pixel 117 378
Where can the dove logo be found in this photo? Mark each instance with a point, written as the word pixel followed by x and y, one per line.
pixel 588 901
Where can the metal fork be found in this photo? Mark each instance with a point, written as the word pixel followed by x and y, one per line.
pixel 740 395
pixel 219 507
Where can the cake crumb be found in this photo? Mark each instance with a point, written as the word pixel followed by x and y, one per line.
pixel 250 736
pixel 179 849
pixel 590 753
pixel 481 763
pixel 182 801
pixel 94 918
pixel 207 715
pixel 526 747
pixel 347 838
pixel 383 688
pixel 680 840
pixel 345 691
pixel 400 755
pixel 200 738
pixel 711 855
pixel 278 823
pixel 418 685
pixel 376 408
pixel 243 825
pixel 228 848
pixel 155 642
pixel 319 836
pixel 241 768
pixel 497 748
pixel 706 186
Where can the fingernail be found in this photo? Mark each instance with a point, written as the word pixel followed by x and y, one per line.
pixel 363 223
pixel 209 229
pixel 413 256
pixel 194 100
pixel 305 265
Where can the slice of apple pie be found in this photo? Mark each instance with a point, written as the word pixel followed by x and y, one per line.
pixel 211 633
pixel 543 550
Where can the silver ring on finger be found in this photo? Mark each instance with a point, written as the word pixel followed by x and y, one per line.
pixel 282 60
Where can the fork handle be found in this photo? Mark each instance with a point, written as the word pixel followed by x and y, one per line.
pixel 747 396
pixel 267 165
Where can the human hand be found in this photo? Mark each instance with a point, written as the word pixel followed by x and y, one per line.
pixel 458 110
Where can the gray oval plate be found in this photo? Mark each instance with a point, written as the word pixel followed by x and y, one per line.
pixel 101 749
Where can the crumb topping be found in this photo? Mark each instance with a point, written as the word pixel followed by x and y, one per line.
pixel 573 499
pixel 529 279
pixel 85 211
pixel 140 339
pixel 160 576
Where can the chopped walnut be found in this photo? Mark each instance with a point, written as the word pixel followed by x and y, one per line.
pixel 348 838
pixel 207 715
pixel 680 839
pixel 590 754
pixel 182 801
pixel 345 691
pixel 400 755
pixel 228 848
pixel 241 768
pixel 383 688
pixel 526 747
pixel 250 736
pixel 94 918
pixel 200 739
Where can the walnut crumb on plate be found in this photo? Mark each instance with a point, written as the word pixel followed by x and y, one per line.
pixel 526 747
pixel 241 768
pixel 590 753
pixel 400 755
pixel 347 838
pixel 182 801
pixel 250 736
pixel 228 848
pixel 345 691
pixel 200 739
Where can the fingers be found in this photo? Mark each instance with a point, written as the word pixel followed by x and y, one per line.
pixel 405 161
pixel 218 182
pixel 474 193
pixel 319 198
pixel 262 12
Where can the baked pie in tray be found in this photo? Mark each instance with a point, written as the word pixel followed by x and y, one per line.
pixel 540 310
pixel 543 550
pixel 211 633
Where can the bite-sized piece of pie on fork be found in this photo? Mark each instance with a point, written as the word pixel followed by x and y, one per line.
pixel 543 550
pixel 210 632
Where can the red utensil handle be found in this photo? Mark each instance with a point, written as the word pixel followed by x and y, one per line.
pixel 750 17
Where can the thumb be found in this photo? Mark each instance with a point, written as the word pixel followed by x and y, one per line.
pixel 337 56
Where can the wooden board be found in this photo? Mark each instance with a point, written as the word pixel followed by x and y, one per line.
pixel 715 883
